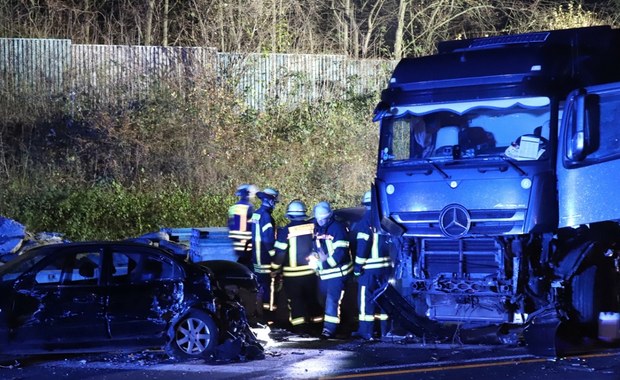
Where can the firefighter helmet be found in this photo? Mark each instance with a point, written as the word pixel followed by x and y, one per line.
pixel 243 190
pixel 322 211
pixel 296 209
pixel 269 194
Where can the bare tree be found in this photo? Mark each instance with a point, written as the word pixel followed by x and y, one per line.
pixel 340 9
pixel 358 28
pixel 427 23
pixel 357 24
pixel 400 27
pixel 165 23
pixel 373 16
pixel 148 32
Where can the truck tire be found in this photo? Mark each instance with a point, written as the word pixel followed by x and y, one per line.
pixel 586 294
pixel 195 335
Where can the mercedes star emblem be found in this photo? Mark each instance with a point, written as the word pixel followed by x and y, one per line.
pixel 454 221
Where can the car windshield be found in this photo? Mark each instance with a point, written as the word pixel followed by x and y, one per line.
pixel 513 128
pixel 13 269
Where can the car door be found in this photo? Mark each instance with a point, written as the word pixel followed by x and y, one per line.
pixel 145 290
pixel 61 303
pixel 589 156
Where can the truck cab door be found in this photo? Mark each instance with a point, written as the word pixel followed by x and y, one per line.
pixel 589 156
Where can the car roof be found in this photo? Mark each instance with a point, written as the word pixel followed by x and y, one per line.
pixel 97 243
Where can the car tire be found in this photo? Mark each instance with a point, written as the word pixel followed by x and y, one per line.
pixel 195 335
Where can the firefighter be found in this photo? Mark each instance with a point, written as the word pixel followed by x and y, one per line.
pixel 263 251
pixel 332 260
pixel 239 231
pixel 372 269
pixel 293 249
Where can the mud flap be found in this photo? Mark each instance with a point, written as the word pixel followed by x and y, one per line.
pixel 549 335
pixel 401 312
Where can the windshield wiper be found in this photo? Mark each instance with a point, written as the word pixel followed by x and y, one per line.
pixel 515 166
pixel 436 167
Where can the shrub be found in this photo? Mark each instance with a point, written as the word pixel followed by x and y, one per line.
pixel 172 158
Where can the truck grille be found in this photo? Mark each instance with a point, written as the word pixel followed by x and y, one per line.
pixel 464 258
pixel 483 222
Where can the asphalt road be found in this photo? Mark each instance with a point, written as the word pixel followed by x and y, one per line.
pixel 294 357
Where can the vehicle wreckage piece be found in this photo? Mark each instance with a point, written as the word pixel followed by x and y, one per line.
pixel 12 234
pixel 547 334
pixel 405 316
pixel 15 239
pixel 233 282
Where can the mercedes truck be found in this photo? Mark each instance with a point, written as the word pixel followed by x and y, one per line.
pixel 497 179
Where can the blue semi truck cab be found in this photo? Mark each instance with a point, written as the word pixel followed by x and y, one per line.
pixel 497 174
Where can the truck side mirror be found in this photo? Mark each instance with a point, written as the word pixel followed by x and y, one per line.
pixel 577 147
pixel 374 210
pixel 577 144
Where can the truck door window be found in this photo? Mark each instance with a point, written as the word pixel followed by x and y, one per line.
pixel 597 136
pixel 602 118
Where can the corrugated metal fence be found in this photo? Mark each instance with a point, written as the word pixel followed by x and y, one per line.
pixel 28 65
pixel 60 68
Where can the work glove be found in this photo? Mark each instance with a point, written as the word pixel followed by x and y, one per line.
pixel 358 270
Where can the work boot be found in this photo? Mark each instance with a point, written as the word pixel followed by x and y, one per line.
pixel 326 334
pixel 314 329
pixel 301 330
pixel 363 336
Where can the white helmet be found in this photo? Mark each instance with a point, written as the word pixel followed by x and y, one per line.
pixel 253 190
pixel 366 198
pixel 322 211
pixel 243 190
pixel 296 209
pixel 270 194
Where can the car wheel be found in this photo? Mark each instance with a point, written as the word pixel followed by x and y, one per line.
pixel 194 335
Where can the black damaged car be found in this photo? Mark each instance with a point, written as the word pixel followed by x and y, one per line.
pixel 96 296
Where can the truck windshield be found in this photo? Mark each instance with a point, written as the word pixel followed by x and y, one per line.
pixel 513 128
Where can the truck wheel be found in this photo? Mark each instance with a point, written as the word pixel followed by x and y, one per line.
pixel 194 335
pixel 586 295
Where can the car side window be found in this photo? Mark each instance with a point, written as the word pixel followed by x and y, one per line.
pixel 137 267
pixel 77 268
pixel 51 273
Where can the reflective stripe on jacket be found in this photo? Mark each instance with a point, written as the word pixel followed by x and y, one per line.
pixel 263 235
pixel 293 247
pixel 372 251
pixel 332 241
pixel 239 230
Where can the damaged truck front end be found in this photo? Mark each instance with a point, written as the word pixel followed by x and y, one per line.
pixel 476 176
